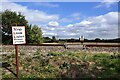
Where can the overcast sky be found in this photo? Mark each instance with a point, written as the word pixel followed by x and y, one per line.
pixel 70 19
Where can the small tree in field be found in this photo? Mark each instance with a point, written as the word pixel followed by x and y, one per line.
pixel 36 35
pixel 53 39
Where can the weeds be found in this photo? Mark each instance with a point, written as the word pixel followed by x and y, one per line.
pixel 65 64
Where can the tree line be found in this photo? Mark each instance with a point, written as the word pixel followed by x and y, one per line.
pixel 54 39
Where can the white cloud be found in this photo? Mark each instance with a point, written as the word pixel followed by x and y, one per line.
pixel 110 0
pixel 71 18
pixel 102 26
pixel 46 4
pixel 53 24
pixel 83 23
pixel 70 25
pixel 107 3
pixel 66 20
pixel 72 34
pixel 49 34
pixel 89 31
pixel 33 16
pixel 76 15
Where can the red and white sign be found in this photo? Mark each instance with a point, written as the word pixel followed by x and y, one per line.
pixel 18 35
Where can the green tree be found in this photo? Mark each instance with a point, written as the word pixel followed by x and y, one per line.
pixel 46 39
pixel 10 19
pixel 0 29
pixel 28 33
pixel 53 38
pixel 97 39
pixel 36 35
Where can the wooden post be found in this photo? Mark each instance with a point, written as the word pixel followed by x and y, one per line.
pixel 17 65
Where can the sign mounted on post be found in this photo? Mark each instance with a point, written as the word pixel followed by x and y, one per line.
pixel 18 35
pixel 82 38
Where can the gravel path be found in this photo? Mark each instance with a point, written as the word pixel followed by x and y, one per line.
pixel 45 49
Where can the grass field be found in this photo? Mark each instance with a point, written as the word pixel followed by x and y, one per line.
pixel 65 64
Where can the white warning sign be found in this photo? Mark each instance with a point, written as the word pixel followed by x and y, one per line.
pixel 18 35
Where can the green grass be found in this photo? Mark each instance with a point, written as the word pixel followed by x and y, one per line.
pixel 64 65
